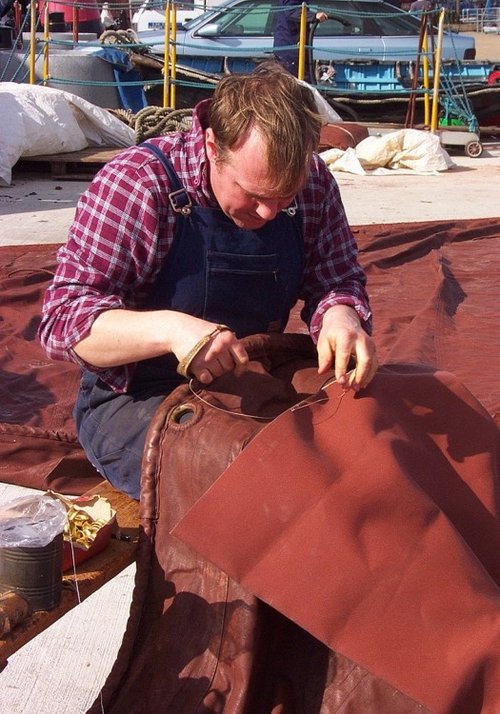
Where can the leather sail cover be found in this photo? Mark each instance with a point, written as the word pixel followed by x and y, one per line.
pixel 370 520
pixel 197 640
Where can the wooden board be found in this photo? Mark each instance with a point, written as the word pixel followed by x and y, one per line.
pixel 75 165
pixel 90 575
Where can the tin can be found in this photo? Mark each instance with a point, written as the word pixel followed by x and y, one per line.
pixel 35 573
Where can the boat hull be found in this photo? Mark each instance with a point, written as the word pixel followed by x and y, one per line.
pixel 484 103
pixel 482 99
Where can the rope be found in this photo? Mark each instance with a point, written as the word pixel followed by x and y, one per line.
pixel 455 100
pixel 158 121
pixel 154 121
pixel 124 115
pixel 118 37
pixel 126 39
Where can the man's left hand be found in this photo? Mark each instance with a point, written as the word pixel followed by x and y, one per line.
pixel 342 337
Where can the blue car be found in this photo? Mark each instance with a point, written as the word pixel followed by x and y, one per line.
pixel 237 33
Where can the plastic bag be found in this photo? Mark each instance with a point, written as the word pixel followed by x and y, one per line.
pixel 31 521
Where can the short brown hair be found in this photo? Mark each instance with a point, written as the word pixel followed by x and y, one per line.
pixel 282 109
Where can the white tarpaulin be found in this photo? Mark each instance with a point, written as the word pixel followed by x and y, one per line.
pixel 327 112
pixel 37 120
pixel 408 150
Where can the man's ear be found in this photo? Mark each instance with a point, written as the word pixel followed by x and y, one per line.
pixel 210 145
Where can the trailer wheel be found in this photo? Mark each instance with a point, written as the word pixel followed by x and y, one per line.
pixel 474 149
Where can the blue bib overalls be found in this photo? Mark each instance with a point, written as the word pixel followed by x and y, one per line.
pixel 247 280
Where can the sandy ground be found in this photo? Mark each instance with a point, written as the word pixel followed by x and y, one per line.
pixel 35 209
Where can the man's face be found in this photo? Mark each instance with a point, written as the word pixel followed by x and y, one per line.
pixel 241 184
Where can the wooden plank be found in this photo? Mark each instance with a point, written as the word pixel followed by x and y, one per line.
pixel 75 165
pixel 90 575
pixel 85 156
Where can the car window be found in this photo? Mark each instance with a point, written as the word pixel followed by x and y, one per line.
pixel 251 19
pixel 338 25
pixel 255 18
pixel 364 18
pixel 396 24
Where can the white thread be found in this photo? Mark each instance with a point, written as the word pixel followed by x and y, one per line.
pixel 300 405
pixel 78 597
pixel 73 561
pixel 226 411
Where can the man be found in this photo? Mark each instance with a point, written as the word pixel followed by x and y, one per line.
pixel 286 33
pixel 419 6
pixel 169 263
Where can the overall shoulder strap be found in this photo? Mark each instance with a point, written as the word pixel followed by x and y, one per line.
pixel 178 197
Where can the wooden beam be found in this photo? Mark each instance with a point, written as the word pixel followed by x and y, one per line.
pixel 90 575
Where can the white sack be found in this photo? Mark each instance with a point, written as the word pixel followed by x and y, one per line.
pixel 343 160
pixel 37 120
pixel 405 150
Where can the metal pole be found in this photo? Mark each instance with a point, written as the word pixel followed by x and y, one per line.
pixel 46 38
pixel 302 42
pixel 425 72
pixel 173 55
pixel 32 41
pixel 437 73
pixel 76 19
pixel 17 24
pixel 166 57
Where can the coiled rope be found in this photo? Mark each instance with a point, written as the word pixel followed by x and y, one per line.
pixel 158 121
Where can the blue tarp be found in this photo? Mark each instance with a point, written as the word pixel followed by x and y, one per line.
pixel 131 95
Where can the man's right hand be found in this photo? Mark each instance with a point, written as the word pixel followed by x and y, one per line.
pixel 124 336
pixel 221 354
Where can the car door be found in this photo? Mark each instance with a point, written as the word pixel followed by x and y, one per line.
pixel 400 33
pixel 349 33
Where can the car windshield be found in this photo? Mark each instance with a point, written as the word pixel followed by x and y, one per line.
pixel 197 20
pixel 255 18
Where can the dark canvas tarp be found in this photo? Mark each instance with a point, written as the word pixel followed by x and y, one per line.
pixel 371 521
pixel 435 290
pixel 435 294
pixel 366 526
pixel 38 445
